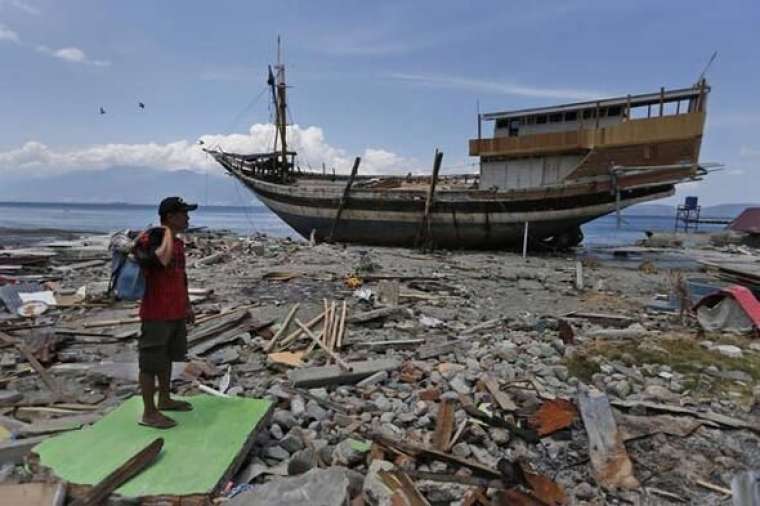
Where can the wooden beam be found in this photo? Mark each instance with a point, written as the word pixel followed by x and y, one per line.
pixel 57 394
pixel 341 363
pixel 132 467
pixel 444 425
pixel 344 198
pixel 281 331
pixel 662 101
pixel 424 232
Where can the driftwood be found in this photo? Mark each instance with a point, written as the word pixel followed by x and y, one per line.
pixel 609 458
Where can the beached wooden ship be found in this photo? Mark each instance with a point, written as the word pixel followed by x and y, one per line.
pixel 544 173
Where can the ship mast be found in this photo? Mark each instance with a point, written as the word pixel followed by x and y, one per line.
pixel 281 109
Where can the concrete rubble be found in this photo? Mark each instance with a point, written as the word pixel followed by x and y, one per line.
pixel 451 378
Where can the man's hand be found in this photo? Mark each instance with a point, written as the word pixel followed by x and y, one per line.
pixel 190 318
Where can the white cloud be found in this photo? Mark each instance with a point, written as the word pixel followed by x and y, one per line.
pixel 72 54
pixel 42 160
pixel 24 6
pixel 9 35
pixel 495 87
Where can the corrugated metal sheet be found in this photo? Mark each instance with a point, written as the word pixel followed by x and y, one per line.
pixel 748 221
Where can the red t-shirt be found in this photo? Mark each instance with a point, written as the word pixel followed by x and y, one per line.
pixel 165 287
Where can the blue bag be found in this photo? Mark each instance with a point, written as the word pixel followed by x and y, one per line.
pixel 127 279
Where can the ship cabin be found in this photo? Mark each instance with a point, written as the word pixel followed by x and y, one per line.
pixel 587 141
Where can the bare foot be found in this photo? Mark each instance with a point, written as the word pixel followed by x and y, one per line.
pixel 157 421
pixel 173 405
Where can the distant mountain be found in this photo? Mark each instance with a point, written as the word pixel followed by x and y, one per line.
pixel 716 211
pixel 126 184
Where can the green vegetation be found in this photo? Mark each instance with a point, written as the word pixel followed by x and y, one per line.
pixel 682 354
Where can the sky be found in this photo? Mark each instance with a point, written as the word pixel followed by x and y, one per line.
pixel 389 81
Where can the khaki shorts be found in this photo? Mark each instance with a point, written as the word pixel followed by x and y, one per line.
pixel 161 343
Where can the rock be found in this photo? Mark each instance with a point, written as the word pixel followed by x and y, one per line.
pixel 505 350
pixel 449 370
pixel 584 491
pixel 382 403
pixel 276 452
pixel 346 454
pixel 302 461
pixel 297 406
pixel 284 418
pixel 460 386
pixel 499 436
pixel 315 411
pixel 276 431
pixel 728 350
pixel 374 490
pixel 442 493
pixel 461 450
pixel 658 393
pixel 755 346
pixel 318 486
pixel 622 389
pixel 292 442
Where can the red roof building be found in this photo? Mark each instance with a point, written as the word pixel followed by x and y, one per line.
pixel 748 221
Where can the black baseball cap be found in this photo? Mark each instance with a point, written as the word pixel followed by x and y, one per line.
pixel 173 205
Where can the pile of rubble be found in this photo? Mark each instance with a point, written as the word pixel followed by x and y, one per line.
pixel 406 378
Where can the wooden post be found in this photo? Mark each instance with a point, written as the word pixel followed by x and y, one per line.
pixel 424 232
pixel 628 107
pixel 525 240
pixel 662 100
pixel 343 199
pixel 598 110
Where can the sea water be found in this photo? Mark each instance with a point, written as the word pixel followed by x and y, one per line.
pixel 256 219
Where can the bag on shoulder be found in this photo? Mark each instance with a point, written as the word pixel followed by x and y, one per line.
pixel 127 280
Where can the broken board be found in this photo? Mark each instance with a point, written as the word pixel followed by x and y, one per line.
pixel 198 456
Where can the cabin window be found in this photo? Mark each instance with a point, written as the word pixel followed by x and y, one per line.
pixel 540 120
pixel 514 127
pixel 555 118
pixel 613 111
pixel 603 112
pixel 588 113
pixel 530 120
pixel 502 123
pixel 571 116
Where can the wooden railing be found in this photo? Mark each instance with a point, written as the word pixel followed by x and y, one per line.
pixel 635 131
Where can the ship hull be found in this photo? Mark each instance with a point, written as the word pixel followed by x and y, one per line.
pixel 472 223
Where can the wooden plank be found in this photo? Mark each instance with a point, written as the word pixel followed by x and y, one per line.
pixel 283 328
pixel 444 425
pixel 503 399
pixel 344 198
pixel 130 468
pixel 313 377
pixel 609 458
pixel 431 453
pixel 297 333
pixel 342 327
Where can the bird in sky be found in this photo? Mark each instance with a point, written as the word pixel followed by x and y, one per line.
pixel 102 111
pixel 140 105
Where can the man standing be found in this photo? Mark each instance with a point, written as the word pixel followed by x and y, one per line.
pixel 164 311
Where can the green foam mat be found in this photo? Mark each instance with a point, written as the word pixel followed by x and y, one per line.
pixel 195 457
